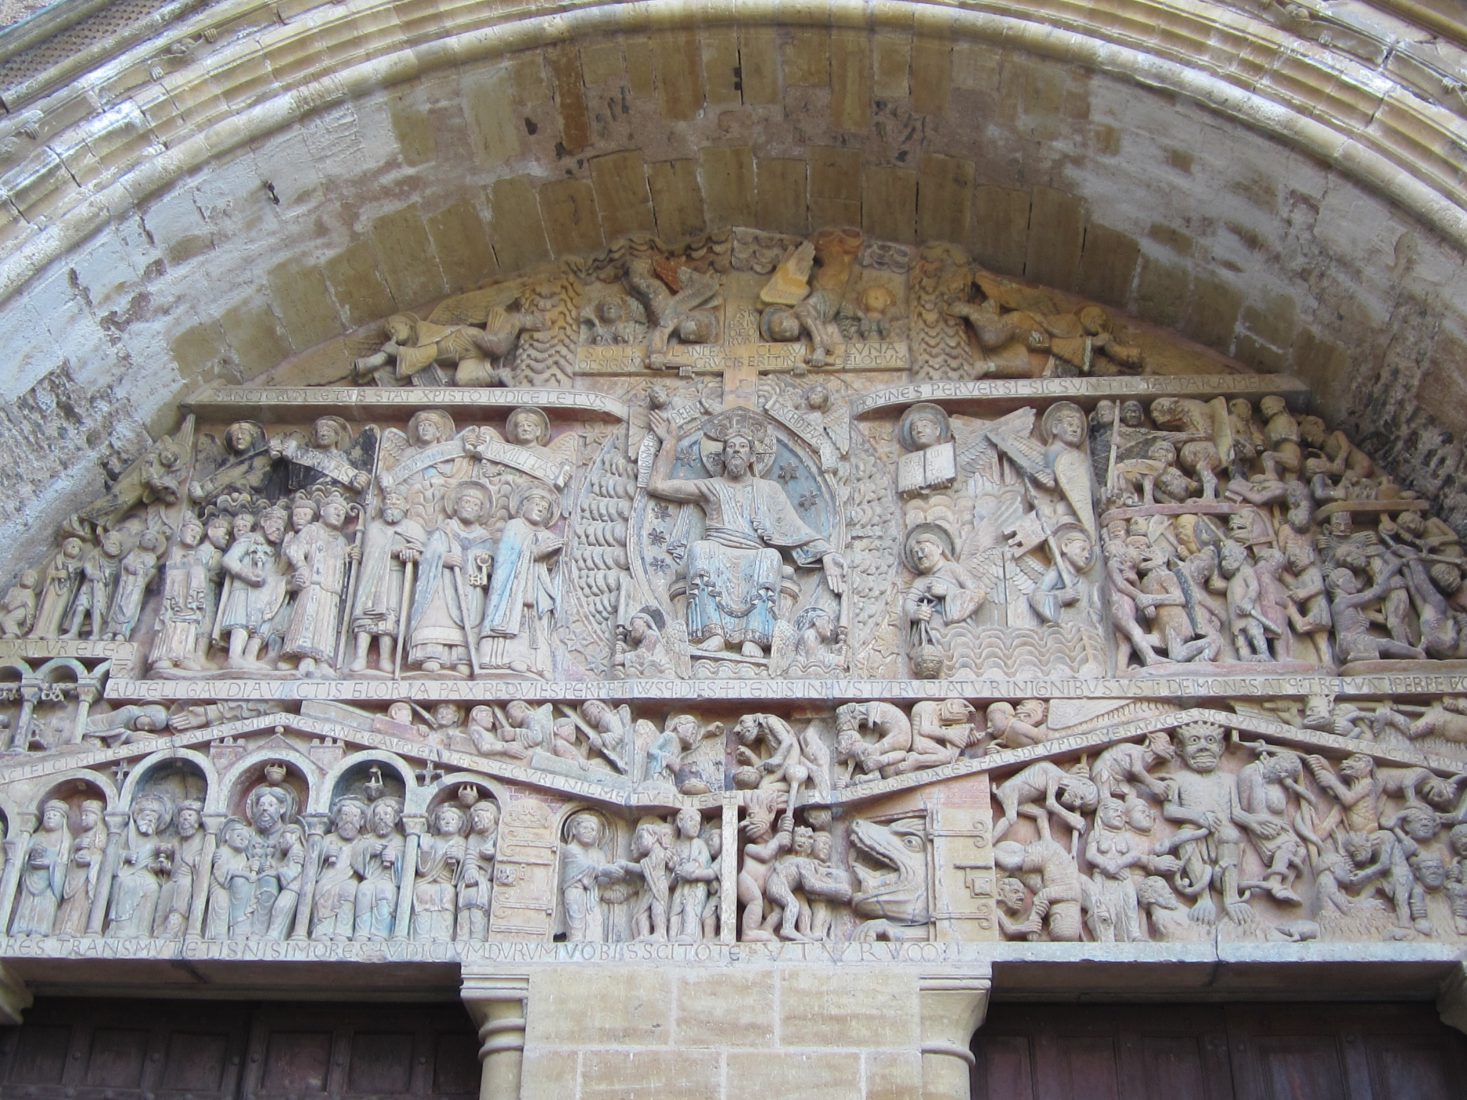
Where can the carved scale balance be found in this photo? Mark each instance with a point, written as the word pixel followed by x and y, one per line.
pixel 777 596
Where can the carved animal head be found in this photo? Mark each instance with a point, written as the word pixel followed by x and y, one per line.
pixel 896 890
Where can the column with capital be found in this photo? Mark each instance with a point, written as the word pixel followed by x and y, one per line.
pixel 498 1004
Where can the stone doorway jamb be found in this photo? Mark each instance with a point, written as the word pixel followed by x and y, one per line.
pixel 953 1008
pixel 498 1003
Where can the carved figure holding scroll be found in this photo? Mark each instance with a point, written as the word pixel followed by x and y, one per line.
pixel 736 570
pixel 520 605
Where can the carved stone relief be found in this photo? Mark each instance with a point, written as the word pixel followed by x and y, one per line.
pixel 758 592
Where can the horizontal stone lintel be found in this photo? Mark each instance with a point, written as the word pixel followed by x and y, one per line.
pixel 360 402
pixel 1001 955
pixel 1025 391
pixel 753 692
pixel 1017 971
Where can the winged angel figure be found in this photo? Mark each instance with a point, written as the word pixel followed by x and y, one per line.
pixel 1020 534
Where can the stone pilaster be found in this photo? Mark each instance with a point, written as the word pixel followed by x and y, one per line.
pixel 953 1008
pixel 498 1004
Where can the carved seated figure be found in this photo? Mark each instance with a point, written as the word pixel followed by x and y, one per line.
pixel 737 578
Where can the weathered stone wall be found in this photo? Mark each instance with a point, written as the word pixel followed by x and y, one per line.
pixel 249 181
pixel 751 1033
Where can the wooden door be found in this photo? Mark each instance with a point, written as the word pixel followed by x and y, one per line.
pixel 87 1049
pixel 179 1050
pixel 1217 1052
pixel 379 1052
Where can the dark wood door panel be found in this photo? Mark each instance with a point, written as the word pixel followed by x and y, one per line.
pixel 362 1052
pixel 159 1050
pixel 170 1050
pixel 1257 1052
pixel 1039 1052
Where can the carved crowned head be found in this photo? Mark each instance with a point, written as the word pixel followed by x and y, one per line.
pixel 738 432
pixel 149 810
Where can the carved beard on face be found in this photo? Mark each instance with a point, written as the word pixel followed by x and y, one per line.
pixel 736 465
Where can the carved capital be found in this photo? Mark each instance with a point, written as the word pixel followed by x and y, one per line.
pixel 15 998
pixel 498 1004
pixel 1451 999
pixel 953 1007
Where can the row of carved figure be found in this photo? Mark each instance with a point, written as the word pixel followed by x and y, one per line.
pixel 820 295
pixel 270 874
pixel 261 875
pixel 793 881
pixel 1164 838
pixel 1224 537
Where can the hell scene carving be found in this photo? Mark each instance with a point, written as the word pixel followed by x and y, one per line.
pixel 756 591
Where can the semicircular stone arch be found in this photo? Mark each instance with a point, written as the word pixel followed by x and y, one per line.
pixel 940 487
pixel 195 204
